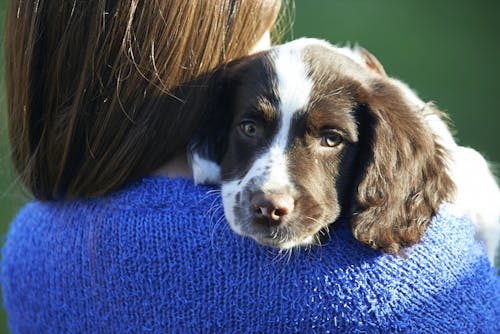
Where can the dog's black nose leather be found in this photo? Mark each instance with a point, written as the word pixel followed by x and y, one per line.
pixel 274 206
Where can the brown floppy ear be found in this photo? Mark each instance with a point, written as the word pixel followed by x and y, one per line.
pixel 404 178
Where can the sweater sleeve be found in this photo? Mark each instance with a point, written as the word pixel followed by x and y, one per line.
pixel 158 257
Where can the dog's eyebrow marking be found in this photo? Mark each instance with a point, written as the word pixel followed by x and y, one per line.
pixel 265 108
pixel 262 108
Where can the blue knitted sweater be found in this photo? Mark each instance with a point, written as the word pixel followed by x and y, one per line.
pixel 158 257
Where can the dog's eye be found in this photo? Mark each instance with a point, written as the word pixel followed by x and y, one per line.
pixel 331 140
pixel 249 128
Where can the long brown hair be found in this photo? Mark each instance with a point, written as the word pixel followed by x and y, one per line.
pixel 90 84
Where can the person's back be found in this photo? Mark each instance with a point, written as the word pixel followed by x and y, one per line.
pixel 158 257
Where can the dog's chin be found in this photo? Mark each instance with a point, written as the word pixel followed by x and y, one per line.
pixel 284 244
pixel 281 237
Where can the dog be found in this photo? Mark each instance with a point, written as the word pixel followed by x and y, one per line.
pixel 307 132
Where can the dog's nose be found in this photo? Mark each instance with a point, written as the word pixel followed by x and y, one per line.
pixel 272 206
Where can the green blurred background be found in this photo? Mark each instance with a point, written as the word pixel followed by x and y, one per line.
pixel 447 50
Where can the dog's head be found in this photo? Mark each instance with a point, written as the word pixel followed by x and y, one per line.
pixel 306 133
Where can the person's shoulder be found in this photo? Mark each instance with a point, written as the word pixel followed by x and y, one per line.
pixel 145 194
pixel 145 206
pixel 158 193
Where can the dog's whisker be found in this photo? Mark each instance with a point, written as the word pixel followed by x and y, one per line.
pixel 214 208
pixel 283 255
pixel 317 240
pixel 211 193
pixel 314 220
pixel 217 227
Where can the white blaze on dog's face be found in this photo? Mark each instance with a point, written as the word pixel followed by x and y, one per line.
pixel 290 138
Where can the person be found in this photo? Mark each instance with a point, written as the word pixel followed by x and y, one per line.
pixel 103 98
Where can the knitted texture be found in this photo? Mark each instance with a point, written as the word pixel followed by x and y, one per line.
pixel 158 257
